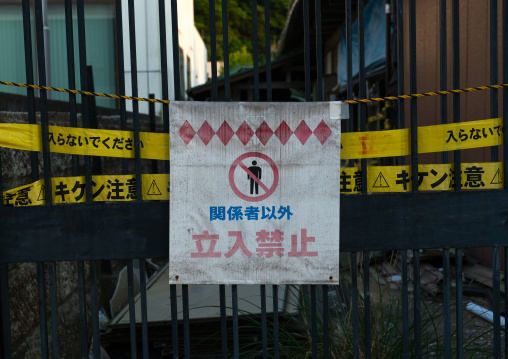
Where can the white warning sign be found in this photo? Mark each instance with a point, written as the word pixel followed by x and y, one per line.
pixel 254 193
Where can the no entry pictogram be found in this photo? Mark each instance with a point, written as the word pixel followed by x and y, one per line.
pixel 256 178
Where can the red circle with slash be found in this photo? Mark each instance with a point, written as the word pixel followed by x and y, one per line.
pixel 268 191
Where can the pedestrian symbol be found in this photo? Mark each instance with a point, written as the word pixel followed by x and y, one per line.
pixel 256 186
pixel 381 182
pixel 154 189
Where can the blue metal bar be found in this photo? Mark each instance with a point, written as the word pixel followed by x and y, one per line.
pixel 456 84
pixel 443 70
pixel 412 89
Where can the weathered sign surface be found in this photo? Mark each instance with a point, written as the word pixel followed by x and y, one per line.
pixel 254 193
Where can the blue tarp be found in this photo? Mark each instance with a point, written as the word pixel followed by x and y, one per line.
pixel 375 41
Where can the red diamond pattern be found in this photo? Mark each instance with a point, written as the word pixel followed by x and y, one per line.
pixel 303 132
pixel 225 133
pixel 186 132
pixel 322 132
pixel 206 133
pixel 264 133
pixel 244 133
pixel 283 132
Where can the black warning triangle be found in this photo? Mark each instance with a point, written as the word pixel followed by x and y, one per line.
pixel 41 195
pixel 497 178
pixel 380 182
pixel 154 190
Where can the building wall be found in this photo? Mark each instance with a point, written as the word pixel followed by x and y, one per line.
pixel 474 66
pixel 148 50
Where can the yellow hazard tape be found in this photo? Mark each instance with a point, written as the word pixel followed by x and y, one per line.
pixel 436 177
pixel 376 99
pixel 118 188
pixel 355 145
pixel 85 141
pixel 448 137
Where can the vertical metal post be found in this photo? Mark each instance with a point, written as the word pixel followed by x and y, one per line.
pixel 313 321
pixel 366 304
pixel 42 310
pixel 121 75
pixel 84 86
pixel 443 68
pixel 164 69
pixel 496 297
pixel 349 61
pixel 144 314
pixel 43 102
pixel 275 294
pixel 505 104
pixel 186 333
pixel 95 310
pixel 459 319
pixel 456 85
pixel 236 344
pixel 174 320
pixel 132 308
pixel 354 305
pixel 213 49
pixel 5 318
pixel 223 325
pixel 362 91
pixel 268 52
pixel 71 76
pixel 446 304
pixel 135 104
pixel 400 68
pixel 255 49
pixel 493 72
pixel 319 53
pixel 54 308
pixel 264 327
pixel 306 36
pixel 405 306
pixel 151 115
pixel 82 310
pixel 225 49
pixel 413 89
pixel 416 309
pixel 30 92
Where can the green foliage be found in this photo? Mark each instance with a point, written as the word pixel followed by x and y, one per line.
pixel 239 15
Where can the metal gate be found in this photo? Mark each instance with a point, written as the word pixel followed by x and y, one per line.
pixel 93 234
